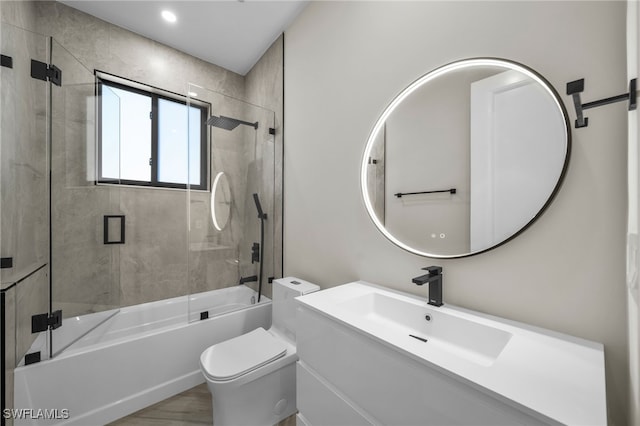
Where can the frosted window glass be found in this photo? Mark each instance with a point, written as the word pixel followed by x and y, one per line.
pixel 135 137
pixel 195 145
pixel 110 152
pixel 163 148
pixel 178 142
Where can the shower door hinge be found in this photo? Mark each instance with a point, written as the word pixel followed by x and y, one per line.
pixel 6 262
pixel 45 72
pixel 272 131
pixel 43 322
pixel 6 61
pixel 32 358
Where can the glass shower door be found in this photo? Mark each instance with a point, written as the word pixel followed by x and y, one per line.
pixel 24 236
pixel 230 242
pixel 87 224
pixel 257 249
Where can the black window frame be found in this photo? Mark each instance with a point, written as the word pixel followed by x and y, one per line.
pixel 155 94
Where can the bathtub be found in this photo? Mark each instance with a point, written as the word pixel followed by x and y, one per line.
pixel 139 356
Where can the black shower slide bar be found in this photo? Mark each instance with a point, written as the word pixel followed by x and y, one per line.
pixel 401 194
pixel 574 88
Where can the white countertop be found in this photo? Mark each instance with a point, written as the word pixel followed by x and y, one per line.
pixel 557 376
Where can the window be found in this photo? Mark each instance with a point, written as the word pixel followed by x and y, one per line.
pixel 149 137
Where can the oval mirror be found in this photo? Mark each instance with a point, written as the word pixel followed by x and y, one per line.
pixel 465 158
pixel 220 201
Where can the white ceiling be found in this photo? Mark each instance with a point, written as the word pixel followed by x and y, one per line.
pixel 231 34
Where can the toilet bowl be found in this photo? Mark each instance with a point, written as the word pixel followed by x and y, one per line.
pixel 252 377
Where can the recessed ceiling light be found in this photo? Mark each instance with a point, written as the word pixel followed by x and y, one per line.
pixel 192 94
pixel 169 16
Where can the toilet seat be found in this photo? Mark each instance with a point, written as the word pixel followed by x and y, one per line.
pixel 235 357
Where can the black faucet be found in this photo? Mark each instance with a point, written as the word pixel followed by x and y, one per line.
pixel 250 279
pixel 434 278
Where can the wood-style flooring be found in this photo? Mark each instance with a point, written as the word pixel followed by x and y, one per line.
pixel 192 407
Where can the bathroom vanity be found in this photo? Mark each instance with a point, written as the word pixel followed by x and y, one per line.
pixel 374 356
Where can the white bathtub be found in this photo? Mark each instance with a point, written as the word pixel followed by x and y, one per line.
pixel 139 356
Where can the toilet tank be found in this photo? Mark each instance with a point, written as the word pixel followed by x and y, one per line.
pixel 285 290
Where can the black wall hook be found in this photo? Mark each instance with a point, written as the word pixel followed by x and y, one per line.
pixel 574 88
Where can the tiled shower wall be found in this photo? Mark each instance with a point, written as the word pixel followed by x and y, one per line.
pixel 152 265
pixel 264 85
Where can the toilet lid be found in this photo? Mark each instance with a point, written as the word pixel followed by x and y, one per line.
pixel 240 355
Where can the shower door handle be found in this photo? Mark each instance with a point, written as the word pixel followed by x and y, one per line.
pixel 112 220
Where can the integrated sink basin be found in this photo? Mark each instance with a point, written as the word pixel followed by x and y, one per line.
pixel 548 376
pixel 440 330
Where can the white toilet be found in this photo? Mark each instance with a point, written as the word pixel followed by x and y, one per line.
pixel 252 378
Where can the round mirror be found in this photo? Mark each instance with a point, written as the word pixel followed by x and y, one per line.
pixel 465 158
pixel 220 201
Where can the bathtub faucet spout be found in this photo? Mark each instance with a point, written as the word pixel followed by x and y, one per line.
pixel 252 278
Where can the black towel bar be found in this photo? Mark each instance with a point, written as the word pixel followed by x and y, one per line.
pixel 450 191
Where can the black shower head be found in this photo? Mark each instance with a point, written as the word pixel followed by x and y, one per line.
pixel 228 123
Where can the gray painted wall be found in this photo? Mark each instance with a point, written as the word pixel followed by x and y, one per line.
pixel 346 60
